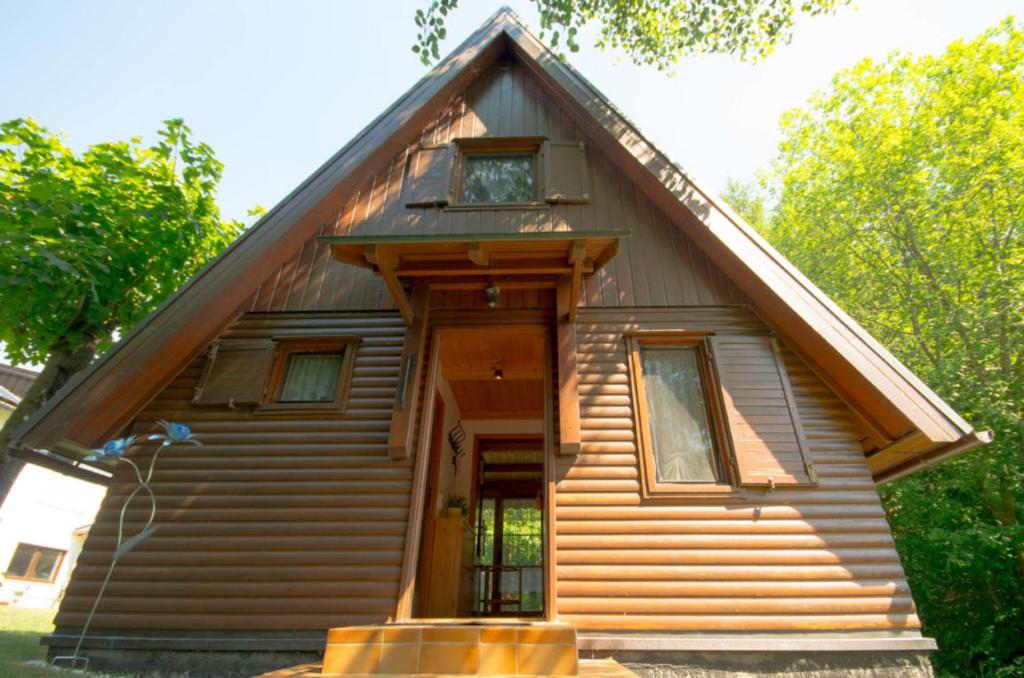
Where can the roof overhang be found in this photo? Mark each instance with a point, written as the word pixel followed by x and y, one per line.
pixel 476 259
pixel 67 460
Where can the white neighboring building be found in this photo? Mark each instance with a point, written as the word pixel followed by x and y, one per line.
pixel 43 522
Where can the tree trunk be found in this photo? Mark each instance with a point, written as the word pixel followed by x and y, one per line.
pixel 61 364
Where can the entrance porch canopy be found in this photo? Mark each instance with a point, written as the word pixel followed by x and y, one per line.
pixel 477 258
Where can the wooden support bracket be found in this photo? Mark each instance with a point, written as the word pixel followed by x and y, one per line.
pixel 479 254
pixel 608 254
pixel 403 418
pixel 386 262
pixel 577 258
pixel 568 380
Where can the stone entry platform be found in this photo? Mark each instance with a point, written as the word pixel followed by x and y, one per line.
pixel 454 650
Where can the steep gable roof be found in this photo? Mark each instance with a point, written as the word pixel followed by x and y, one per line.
pixel 907 422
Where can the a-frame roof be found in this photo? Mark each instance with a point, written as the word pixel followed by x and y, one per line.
pixel 908 423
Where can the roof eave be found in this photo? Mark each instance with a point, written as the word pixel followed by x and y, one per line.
pixel 966 443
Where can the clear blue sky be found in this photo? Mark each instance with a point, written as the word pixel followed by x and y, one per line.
pixel 277 87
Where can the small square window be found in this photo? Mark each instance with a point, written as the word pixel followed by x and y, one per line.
pixel 311 378
pixel 36 563
pixel 497 179
pixel 310 373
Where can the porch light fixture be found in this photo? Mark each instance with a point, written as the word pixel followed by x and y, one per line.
pixel 498 373
pixel 492 296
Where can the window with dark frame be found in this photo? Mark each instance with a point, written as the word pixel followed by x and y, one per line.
pixel 498 179
pixel 35 563
pixel 311 373
pixel 673 383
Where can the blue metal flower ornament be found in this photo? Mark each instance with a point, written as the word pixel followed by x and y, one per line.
pixel 116 451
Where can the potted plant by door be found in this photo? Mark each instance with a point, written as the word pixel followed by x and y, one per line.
pixel 457 506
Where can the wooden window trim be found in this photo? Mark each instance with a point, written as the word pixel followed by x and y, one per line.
pixel 650 485
pixel 35 561
pixel 285 348
pixel 494 147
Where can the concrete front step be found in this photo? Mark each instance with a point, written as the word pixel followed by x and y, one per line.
pixel 453 649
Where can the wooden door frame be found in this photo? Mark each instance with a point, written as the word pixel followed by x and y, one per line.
pixel 426 555
pixel 469 322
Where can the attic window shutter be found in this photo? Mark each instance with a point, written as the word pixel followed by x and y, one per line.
pixel 565 172
pixel 429 176
pixel 767 437
pixel 235 373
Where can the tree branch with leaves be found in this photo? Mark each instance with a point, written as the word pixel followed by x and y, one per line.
pixel 92 242
pixel 651 32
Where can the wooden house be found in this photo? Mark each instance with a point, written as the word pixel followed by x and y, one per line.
pixel 668 440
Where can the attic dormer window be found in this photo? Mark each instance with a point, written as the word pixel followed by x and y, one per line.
pixel 498 179
pixel 481 173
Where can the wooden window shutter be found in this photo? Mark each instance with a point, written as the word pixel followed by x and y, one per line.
pixel 565 172
pixel 768 442
pixel 235 373
pixel 429 176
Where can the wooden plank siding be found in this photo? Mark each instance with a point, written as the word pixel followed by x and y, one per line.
pixel 812 558
pixel 276 522
pixel 657 265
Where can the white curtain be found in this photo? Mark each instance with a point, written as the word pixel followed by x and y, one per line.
pixel 311 378
pixel 678 415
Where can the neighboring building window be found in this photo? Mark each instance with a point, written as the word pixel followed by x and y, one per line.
pixel 311 373
pixel 35 563
pixel 676 413
pixel 496 179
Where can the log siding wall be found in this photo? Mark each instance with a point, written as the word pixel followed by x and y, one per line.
pixel 792 559
pixel 276 522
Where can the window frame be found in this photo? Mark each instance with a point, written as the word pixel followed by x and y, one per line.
pixel 650 485
pixel 482 147
pixel 288 346
pixel 28 576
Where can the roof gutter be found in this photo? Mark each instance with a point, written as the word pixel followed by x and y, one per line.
pixel 965 444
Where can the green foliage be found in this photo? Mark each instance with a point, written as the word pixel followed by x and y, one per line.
pixel 652 32
pixel 747 201
pixel 899 193
pixel 90 243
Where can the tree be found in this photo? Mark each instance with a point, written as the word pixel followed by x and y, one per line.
pixel 652 32
pixel 899 193
pixel 91 243
pixel 747 201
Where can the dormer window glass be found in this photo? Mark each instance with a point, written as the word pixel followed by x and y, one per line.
pixel 499 179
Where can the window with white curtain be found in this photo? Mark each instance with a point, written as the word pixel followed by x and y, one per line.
pixel 311 377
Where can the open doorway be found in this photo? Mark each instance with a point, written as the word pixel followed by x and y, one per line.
pixel 508 563
pixel 483 540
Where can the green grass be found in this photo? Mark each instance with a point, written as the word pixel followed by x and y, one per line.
pixel 20 631
pixel 22 655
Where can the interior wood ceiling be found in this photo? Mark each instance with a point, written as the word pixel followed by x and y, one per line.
pixel 469 360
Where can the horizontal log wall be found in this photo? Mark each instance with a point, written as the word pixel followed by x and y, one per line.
pixel 820 558
pixel 283 523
